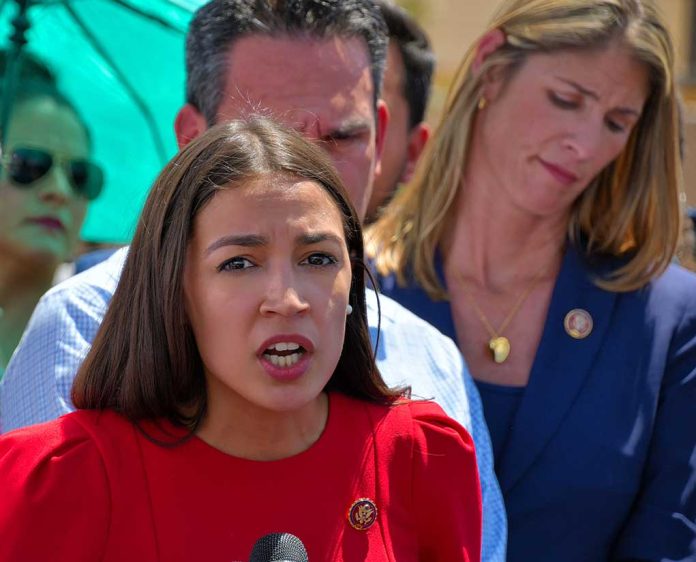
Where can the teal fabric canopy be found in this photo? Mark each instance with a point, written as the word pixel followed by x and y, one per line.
pixel 121 62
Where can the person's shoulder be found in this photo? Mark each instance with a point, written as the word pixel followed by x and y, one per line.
pixel 412 352
pixel 86 442
pixel 47 435
pixel 67 316
pixel 672 294
pixel 444 485
pixel 423 423
pixel 92 287
pixel 55 492
pixel 69 435
pixel 392 312
pixel 432 424
pixel 48 452
pixel 676 283
pixel 396 318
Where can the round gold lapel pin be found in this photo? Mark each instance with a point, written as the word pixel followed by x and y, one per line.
pixel 362 514
pixel 578 323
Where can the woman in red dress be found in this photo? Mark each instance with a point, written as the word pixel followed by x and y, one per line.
pixel 232 392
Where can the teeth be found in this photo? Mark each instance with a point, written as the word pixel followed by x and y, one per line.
pixel 285 346
pixel 283 360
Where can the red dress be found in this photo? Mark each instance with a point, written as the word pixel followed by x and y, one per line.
pixel 90 486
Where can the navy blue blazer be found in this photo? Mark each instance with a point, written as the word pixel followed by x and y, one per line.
pixel 600 463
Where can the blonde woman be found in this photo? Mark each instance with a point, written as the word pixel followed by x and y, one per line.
pixel 538 233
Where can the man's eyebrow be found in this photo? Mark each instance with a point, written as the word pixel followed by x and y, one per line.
pixel 594 95
pixel 348 127
pixel 249 240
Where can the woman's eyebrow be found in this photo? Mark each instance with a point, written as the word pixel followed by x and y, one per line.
pixel 249 240
pixel 317 237
pixel 580 88
pixel 594 95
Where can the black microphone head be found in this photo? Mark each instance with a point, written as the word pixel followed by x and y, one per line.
pixel 278 547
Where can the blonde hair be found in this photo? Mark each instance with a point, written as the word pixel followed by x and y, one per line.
pixel 631 209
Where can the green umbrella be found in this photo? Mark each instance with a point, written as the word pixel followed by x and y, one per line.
pixel 121 62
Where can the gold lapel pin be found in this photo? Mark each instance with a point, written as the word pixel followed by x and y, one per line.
pixel 578 323
pixel 362 514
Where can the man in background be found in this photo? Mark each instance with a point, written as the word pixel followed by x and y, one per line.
pixel 315 65
pixel 406 89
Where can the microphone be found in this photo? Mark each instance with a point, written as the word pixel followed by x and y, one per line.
pixel 278 547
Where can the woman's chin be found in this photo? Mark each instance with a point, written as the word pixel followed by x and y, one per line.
pixel 290 400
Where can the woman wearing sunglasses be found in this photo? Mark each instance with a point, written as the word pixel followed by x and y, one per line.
pixel 46 181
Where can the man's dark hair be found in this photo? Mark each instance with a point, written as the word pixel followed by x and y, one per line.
pixel 219 23
pixel 416 54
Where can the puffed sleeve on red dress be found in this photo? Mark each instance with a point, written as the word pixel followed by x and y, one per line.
pixel 446 490
pixel 54 495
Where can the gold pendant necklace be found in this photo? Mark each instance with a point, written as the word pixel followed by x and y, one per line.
pixel 498 343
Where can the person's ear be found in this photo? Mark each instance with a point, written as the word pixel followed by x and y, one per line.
pixel 487 45
pixel 380 133
pixel 417 139
pixel 189 124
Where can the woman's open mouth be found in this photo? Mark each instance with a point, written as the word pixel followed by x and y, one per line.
pixel 284 354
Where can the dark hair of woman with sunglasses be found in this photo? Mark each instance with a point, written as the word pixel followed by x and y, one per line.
pixel 46 180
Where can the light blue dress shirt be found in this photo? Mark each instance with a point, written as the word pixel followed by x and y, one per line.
pixel 36 386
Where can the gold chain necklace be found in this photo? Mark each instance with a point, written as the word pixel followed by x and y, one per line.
pixel 498 344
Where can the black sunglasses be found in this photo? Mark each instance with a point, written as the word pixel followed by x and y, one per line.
pixel 26 165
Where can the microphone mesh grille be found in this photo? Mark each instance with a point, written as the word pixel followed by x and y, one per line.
pixel 275 547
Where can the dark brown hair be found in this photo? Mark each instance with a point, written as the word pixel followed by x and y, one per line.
pixel 144 362
pixel 416 54
pixel 35 80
